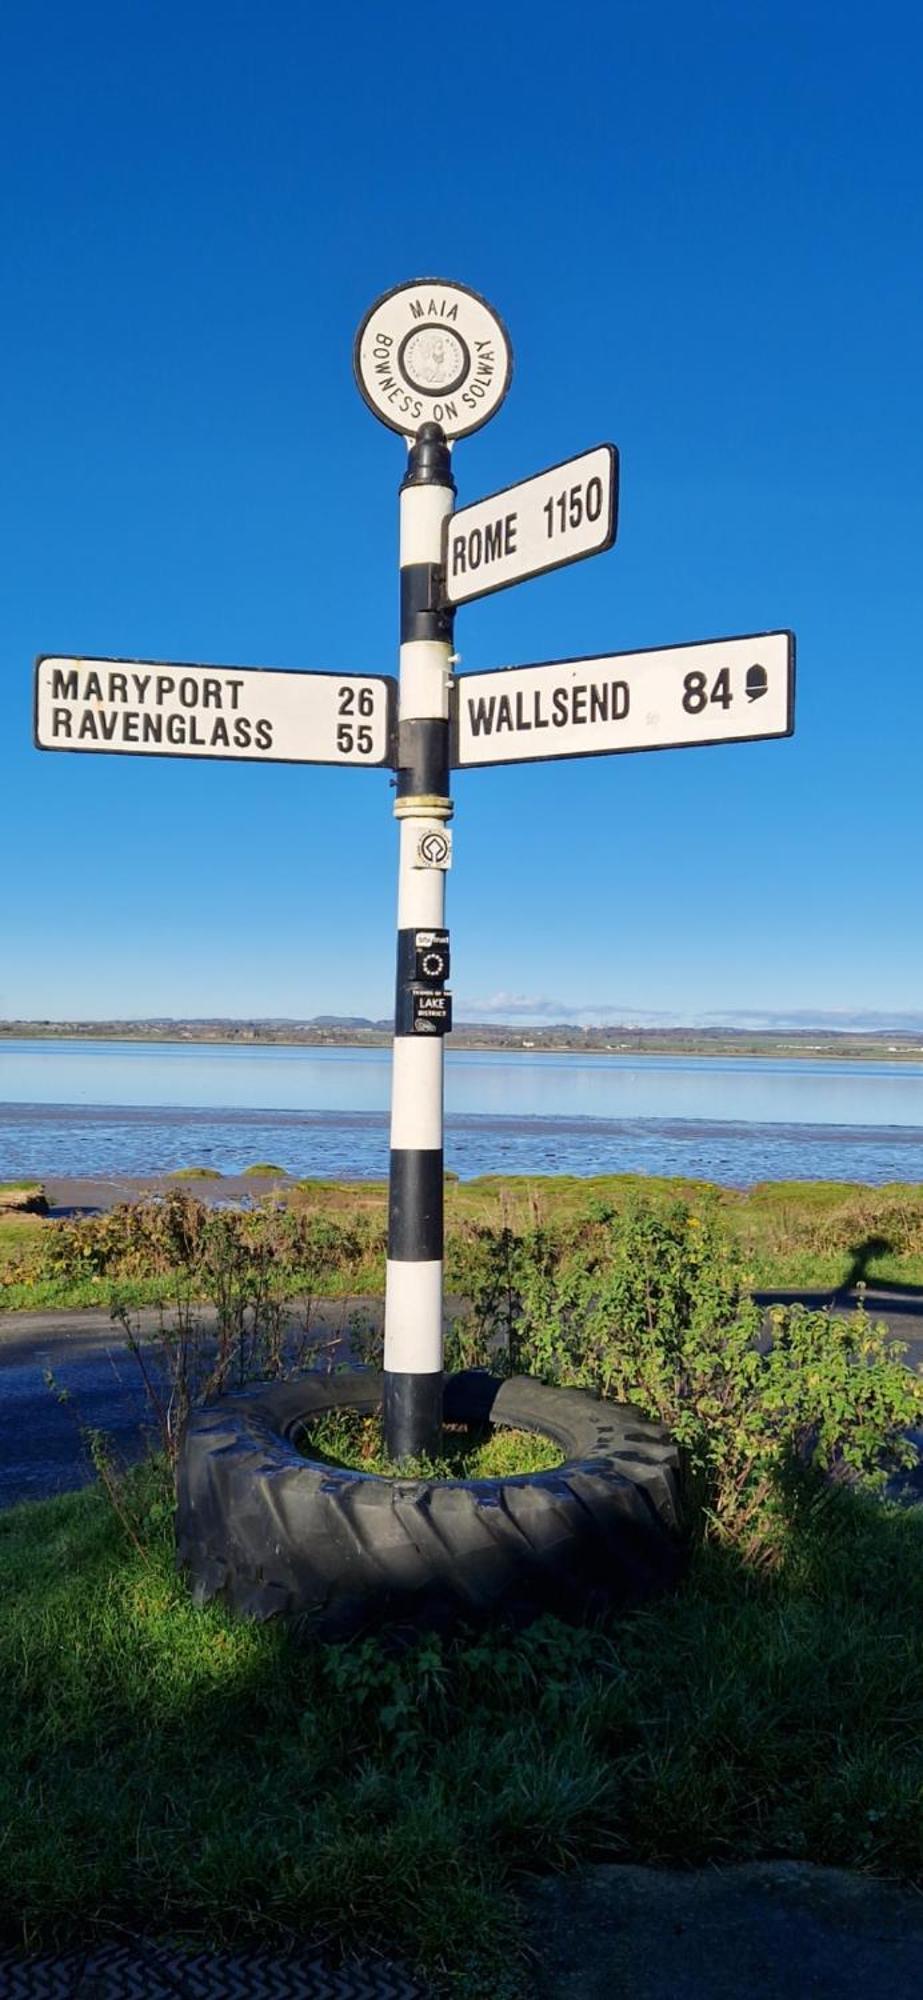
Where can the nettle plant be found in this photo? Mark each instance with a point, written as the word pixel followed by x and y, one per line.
pixel 651 1307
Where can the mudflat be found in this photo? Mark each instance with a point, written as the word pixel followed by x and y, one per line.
pixel 92 1197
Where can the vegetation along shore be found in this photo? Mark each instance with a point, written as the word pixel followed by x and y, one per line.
pixel 329 1237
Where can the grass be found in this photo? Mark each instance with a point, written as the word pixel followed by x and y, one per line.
pixel 195 1174
pixel 345 1437
pixel 263 1169
pixel 22 1198
pixel 77 1294
pixel 20 1239
pixel 823 1235
pixel 171 1769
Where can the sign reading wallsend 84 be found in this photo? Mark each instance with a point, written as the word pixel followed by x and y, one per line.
pixel 669 698
pixel 150 708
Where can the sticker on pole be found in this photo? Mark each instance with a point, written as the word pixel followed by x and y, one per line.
pixel 433 352
pixel 557 517
pixel 431 1013
pixel 666 698
pixel 433 847
pixel 150 708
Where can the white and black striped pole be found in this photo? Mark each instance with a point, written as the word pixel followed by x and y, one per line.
pixel 413 1293
pixel 433 361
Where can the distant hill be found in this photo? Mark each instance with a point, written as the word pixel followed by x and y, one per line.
pixel 344 1021
pixel 359 1030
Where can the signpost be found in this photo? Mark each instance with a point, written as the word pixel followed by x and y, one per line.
pixel 433 362
pixel 672 698
pixel 556 518
pixel 151 708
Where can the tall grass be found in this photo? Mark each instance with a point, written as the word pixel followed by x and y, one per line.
pixel 823 1235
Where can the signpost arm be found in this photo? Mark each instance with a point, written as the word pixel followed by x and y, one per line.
pixel 413 1355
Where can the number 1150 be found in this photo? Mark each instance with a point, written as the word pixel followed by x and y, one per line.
pixel 575 505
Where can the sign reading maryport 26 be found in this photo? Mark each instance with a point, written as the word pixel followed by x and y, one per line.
pixel 670 698
pixel 151 708
pixel 542 523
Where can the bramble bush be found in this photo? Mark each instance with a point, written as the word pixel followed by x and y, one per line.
pixel 177 1233
pixel 133 1239
pixel 651 1308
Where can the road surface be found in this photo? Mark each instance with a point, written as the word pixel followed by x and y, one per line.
pixel 41 1448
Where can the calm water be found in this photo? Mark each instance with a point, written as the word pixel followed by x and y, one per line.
pixel 78 1108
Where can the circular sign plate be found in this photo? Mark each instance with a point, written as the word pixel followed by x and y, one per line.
pixel 433 352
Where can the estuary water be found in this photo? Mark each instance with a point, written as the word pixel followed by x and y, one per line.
pixel 76 1109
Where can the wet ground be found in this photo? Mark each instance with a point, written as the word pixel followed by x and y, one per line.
pixel 96 1383
pixel 67 1195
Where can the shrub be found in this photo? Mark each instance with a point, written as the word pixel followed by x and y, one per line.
pixel 177 1233
pixel 652 1310
pixel 135 1239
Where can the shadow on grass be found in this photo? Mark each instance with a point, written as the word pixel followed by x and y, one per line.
pixel 871 1249
pixel 907 1299
pixel 168 1769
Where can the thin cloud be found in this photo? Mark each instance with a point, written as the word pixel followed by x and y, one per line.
pixel 504 1006
pixel 515 1006
pixel 832 1020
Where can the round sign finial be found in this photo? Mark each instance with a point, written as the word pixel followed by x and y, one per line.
pixel 433 352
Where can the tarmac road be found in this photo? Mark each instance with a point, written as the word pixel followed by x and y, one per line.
pixel 41 1449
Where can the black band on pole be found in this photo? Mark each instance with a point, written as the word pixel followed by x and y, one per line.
pixel 412 1410
pixel 415 1206
pixel 423 758
pixel 424 615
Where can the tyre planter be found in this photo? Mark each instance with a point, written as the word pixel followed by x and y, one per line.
pixel 273 1532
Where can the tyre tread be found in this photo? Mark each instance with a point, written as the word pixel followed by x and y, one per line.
pixel 275 1533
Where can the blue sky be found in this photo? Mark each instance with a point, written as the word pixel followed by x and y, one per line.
pixel 702 227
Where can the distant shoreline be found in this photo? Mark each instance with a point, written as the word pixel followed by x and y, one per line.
pixel 885 1046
